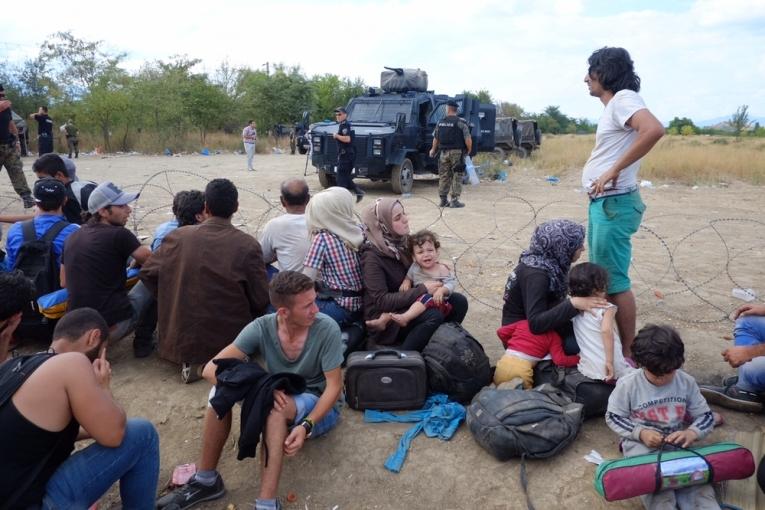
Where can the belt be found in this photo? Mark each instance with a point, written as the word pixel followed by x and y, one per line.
pixel 615 193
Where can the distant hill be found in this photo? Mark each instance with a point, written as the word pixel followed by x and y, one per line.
pixel 719 120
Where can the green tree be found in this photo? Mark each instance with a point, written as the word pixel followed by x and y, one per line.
pixel 505 109
pixel 679 123
pixel 482 95
pixel 205 104
pixel 331 91
pixel 279 98
pixel 105 104
pixel 687 130
pixel 739 121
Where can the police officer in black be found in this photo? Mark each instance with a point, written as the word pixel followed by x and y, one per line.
pixel 346 153
pixel 452 137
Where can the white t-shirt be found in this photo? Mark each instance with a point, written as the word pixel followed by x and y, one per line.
pixel 612 139
pixel 592 353
pixel 286 239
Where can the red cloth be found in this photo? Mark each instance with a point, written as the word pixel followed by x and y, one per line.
pixel 518 337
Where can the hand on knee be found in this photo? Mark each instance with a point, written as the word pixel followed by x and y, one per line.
pixel 284 405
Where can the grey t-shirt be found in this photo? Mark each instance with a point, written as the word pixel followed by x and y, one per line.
pixel 636 404
pixel 323 350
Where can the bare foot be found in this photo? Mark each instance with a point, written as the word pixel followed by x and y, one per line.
pixel 718 418
pixel 380 323
pixel 399 319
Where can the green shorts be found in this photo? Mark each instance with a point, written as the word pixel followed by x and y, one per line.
pixel 611 223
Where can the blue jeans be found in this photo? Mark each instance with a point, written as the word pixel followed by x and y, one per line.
pixel 86 476
pixel 750 330
pixel 330 307
pixel 304 404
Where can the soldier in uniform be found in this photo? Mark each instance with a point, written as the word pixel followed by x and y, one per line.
pixel 346 153
pixel 72 138
pixel 452 136
pixel 9 156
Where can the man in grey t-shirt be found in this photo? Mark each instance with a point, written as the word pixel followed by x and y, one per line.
pixel 296 339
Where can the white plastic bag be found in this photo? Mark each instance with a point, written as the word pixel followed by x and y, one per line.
pixel 472 175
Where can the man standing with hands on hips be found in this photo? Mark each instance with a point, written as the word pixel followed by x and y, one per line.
pixel 452 136
pixel 249 137
pixel 626 132
pixel 346 153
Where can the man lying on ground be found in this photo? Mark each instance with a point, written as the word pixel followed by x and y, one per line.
pixel 296 339
pixel 66 399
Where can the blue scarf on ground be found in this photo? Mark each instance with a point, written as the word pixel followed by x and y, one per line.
pixel 438 418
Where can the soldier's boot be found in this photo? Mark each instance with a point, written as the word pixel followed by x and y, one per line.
pixel 29 202
pixel 444 201
pixel 456 204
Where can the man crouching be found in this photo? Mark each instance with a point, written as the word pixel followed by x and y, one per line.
pixel 297 339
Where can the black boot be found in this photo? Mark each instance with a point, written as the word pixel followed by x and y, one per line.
pixel 456 204
pixel 444 202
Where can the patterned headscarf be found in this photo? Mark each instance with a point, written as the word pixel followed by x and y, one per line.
pixel 552 247
pixel 378 218
pixel 332 210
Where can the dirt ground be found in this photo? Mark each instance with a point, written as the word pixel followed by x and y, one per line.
pixel 695 246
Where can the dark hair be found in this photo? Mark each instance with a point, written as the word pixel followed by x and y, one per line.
pixel 44 108
pixel 221 198
pixel 293 197
pixel 286 285
pixel 658 349
pixel 586 279
pixel 614 69
pixel 250 121
pixel 93 218
pixel 186 206
pixel 51 205
pixel 420 238
pixel 49 164
pixel 78 322
pixel 16 293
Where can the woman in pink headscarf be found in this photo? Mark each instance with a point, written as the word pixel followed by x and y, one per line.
pixel 384 264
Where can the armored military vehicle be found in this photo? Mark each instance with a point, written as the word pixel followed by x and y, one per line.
pixel 519 137
pixel 393 128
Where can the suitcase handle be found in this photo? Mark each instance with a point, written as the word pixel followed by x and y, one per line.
pixel 373 355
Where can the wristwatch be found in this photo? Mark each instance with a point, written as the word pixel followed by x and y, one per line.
pixel 307 424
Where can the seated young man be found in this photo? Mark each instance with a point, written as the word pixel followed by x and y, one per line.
pixel 296 339
pixel 77 192
pixel 67 399
pixel 16 291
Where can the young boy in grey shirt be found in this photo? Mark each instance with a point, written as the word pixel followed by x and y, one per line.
pixel 660 404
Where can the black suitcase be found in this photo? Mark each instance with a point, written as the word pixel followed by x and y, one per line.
pixel 386 379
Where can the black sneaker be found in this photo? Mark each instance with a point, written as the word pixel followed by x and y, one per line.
pixel 456 204
pixel 29 202
pixel 444 202
pixel 142 348
pixel 730 380
pixel 732 397
pixel 186 496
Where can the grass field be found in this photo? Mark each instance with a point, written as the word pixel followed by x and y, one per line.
pixel 679 159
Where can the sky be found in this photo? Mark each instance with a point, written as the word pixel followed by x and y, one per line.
pixel 696 58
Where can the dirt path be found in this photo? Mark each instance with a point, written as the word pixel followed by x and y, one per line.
pixel 694 247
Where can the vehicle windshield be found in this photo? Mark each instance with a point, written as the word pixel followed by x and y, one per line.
pixel 379 110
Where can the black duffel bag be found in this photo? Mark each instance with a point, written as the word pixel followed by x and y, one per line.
pixel 592 394
pixel 456 362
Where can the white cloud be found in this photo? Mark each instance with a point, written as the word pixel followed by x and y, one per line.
pixel 702 62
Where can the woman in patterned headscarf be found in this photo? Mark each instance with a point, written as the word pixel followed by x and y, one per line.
pixel 384 264
pixel 536 289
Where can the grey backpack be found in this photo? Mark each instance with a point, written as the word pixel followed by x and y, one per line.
pixel 534 423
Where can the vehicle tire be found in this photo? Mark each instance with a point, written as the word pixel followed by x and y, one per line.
pixel 538 137
pixel 521 152
pixel 302 150
pixel 499 152
pixel 402 177
pixel 327 180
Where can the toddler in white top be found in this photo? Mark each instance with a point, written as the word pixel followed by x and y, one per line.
pixel 600 348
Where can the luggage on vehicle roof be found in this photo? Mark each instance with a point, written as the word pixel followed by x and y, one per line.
pixel 397 79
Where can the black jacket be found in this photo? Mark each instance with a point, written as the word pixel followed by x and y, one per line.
pixel 241 380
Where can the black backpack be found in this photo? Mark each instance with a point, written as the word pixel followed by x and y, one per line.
pixel 456 362
pixel 37 259
pixel 534 423
pixel 592 394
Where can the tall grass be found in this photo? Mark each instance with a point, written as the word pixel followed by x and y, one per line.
pixel 680 159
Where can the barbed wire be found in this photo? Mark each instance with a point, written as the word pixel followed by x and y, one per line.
pixel 162 186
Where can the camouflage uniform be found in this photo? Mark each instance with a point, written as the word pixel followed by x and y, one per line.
pixel 451 169
pixel 12 163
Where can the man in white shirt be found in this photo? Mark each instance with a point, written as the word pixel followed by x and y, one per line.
pixel 249 137
pixel 626 132
pixel 285 238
